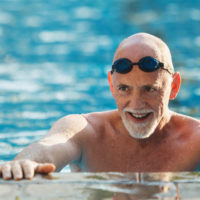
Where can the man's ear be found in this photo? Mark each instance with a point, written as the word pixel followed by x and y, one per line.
pixel 175 85
pixel 110 81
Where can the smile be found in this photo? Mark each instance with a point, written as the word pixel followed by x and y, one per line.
pixel 140 116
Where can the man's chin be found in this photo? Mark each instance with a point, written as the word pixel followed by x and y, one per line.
pixel 142 132
pixel 139 135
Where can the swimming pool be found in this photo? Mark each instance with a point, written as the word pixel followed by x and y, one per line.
pixel 55 56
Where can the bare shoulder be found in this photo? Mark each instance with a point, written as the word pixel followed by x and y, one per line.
pixel 101 119
pixel 186 120
pixel 73 124
pixel 69 125
pixel 187 124
pixel 187 135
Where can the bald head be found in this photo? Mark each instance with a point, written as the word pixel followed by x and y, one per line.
pixel 143 44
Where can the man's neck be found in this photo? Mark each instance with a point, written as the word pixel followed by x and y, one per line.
pixel 161 132
pixel 164 121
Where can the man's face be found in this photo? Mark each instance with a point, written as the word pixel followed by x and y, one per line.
pixel 142 99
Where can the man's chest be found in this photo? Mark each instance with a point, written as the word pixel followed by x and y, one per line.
pixel 124 157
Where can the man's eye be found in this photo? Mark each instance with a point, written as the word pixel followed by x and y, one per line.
pixel 123 88
pixel 150 89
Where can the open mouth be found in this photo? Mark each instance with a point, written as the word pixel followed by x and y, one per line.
pixel 140 116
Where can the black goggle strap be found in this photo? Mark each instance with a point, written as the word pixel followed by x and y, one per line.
pixel 168 70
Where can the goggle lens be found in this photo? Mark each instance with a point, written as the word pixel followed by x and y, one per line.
pixel 123 66
pixel 146 64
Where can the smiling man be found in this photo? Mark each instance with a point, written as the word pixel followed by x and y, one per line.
pixel 142 135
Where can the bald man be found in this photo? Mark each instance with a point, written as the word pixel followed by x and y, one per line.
pixel 142 135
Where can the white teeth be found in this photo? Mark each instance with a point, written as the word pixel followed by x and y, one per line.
pixel 139 115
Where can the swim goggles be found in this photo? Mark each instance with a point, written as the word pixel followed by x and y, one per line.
pixel 146 64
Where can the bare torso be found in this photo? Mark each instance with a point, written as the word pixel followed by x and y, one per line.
pixel 107 146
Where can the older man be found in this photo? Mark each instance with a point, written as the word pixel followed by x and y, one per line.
pixel 142 135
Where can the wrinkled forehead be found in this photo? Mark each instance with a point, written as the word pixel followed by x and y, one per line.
pixel 137 77
pixel 135 50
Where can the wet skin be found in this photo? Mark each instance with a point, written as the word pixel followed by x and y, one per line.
pixel 113 149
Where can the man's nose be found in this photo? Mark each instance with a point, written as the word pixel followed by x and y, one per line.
pixel 137 100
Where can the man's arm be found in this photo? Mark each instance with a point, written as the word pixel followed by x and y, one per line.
pixel 54 151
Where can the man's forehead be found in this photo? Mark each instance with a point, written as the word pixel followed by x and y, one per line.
pixel 137 49
pixel 137 77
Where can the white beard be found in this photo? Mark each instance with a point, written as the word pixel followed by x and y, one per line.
pixel 140 130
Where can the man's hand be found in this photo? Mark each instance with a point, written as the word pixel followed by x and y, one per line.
pixel 19 169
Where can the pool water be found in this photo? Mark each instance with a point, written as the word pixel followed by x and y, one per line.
pixel 55 56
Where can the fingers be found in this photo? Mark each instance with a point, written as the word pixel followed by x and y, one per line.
pixel 31 167
pixel 20 169
pixel 28 168
pixel 16 170
pixel 6 171
pixel 45 168
pixel 11 170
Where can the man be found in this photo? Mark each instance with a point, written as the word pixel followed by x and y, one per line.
pixel 142 135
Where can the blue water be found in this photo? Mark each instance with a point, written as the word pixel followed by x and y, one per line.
pixel 54 58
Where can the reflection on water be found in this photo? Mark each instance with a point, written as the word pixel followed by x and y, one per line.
pixel 134 186
pixel 105 186
pixel 54 57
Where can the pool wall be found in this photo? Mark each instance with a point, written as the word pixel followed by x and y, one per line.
pixel 104 186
